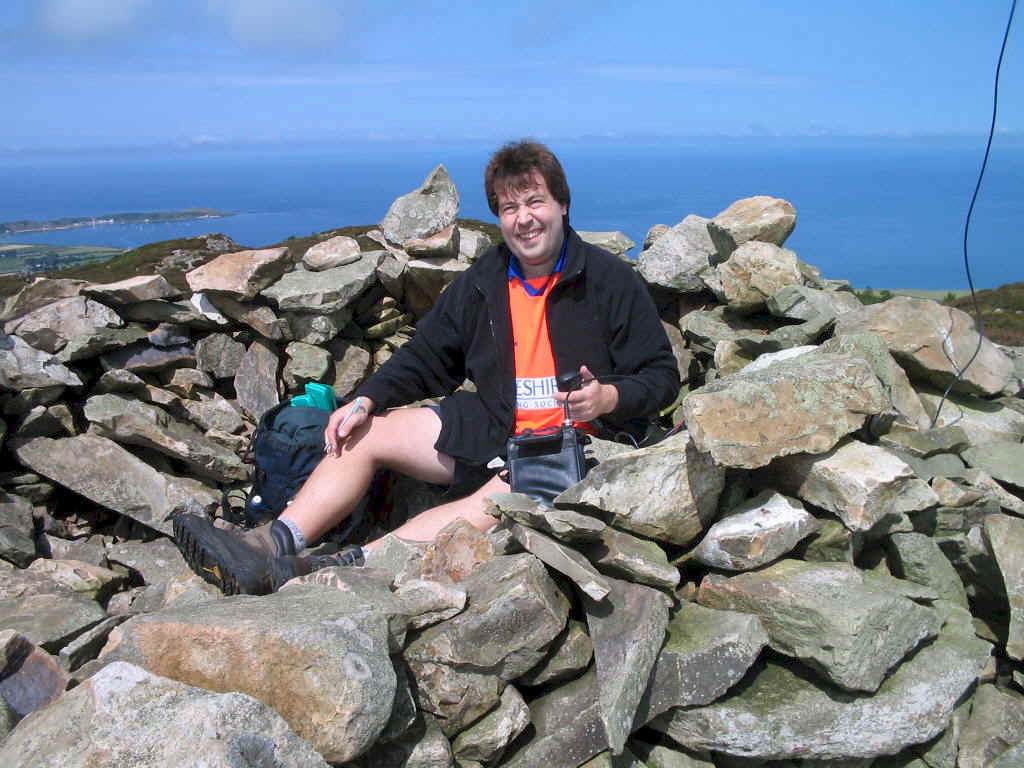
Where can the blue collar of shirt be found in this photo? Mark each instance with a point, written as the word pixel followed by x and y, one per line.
pixel 515 271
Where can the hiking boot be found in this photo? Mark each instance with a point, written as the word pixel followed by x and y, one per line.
pixel 237 562
pixel 288 567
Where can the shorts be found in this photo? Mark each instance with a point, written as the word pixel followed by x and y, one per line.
pixel 466 478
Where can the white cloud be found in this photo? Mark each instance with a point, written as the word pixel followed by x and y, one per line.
pixel 84 20
pixel 291 23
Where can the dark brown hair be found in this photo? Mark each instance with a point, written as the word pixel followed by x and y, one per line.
pixel 517 161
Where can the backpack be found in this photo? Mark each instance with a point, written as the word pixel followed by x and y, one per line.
pixel 286 447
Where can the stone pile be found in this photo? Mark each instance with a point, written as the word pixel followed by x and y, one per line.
pixel 823 567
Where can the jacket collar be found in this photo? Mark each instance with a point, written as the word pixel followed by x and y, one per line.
pixel 575 260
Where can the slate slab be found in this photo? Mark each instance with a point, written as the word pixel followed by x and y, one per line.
pixel 627 630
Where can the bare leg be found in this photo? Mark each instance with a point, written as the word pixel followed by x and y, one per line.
pixel 401 439
pixel 425 526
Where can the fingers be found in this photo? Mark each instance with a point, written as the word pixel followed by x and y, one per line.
pixel 592 400
pixel 343 422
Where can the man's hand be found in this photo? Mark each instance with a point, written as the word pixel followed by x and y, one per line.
pixel 343 422
pixel 591 400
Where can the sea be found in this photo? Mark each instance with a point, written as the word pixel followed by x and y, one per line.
pixel 879 212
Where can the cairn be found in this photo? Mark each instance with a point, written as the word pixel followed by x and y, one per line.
pixel 822 568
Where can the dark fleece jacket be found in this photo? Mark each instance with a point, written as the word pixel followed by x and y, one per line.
pixel 599 314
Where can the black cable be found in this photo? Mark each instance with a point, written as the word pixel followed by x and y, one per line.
pixel 967 224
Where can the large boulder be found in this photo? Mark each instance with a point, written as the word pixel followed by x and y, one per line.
pixel 761 218
pixel 51 616
pixel 801 302
pixel 30 678
pixel 933 342
pixel 828 616
pixel 982 421
pixel 486 739
pixel 1001 460
pixel 614 242
pixel 783 713
pixel 132 290
pixel 918 558
pixel 462 665
pixel 755 272
pixel 706 653
pixel 898 390
pixel 566 727
pixel 667 492
pixel 678 257
pixel 425 279
pixel 256 379
pixel 333 252
pixel 241 275
pixel 995 726
pixel 39 293
pixel 858 482
pixel 424 211
pixel 804 405
pixel 485 637
pixel 124 715
pixel 627 630
pixel 52 326
pixel 330 679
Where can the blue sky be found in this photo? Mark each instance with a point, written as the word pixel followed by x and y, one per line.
pixel 140 72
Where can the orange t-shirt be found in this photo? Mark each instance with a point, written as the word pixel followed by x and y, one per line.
pixel 536 406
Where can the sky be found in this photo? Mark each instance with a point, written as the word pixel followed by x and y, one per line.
pixel 110 73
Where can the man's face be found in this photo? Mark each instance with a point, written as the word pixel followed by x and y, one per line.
pixel 531 223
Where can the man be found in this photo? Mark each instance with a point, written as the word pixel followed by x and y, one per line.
pixel 543 303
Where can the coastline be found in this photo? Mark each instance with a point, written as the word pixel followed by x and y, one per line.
pixel 23 226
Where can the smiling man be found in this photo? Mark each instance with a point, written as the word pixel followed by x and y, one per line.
pixel 542 303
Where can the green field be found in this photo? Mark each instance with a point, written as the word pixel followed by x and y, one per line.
pixel 16 258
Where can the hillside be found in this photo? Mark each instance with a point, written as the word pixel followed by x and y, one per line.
pixel 172 258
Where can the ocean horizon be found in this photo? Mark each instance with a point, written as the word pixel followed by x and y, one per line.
pixel 884 213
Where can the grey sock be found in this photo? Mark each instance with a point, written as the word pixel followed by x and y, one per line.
pixel 297 537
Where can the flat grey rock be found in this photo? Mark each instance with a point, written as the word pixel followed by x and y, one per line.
pixel 706 653
pixel 563 559
pixel 23 366
pixel 323 292
pixel 564 524
pixel 628 557
pixel 1003 461
pixel 758 531
pixel 1005 537
pixel 106 473
pixel 50 621
pixel 567 727
pixel 627 630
